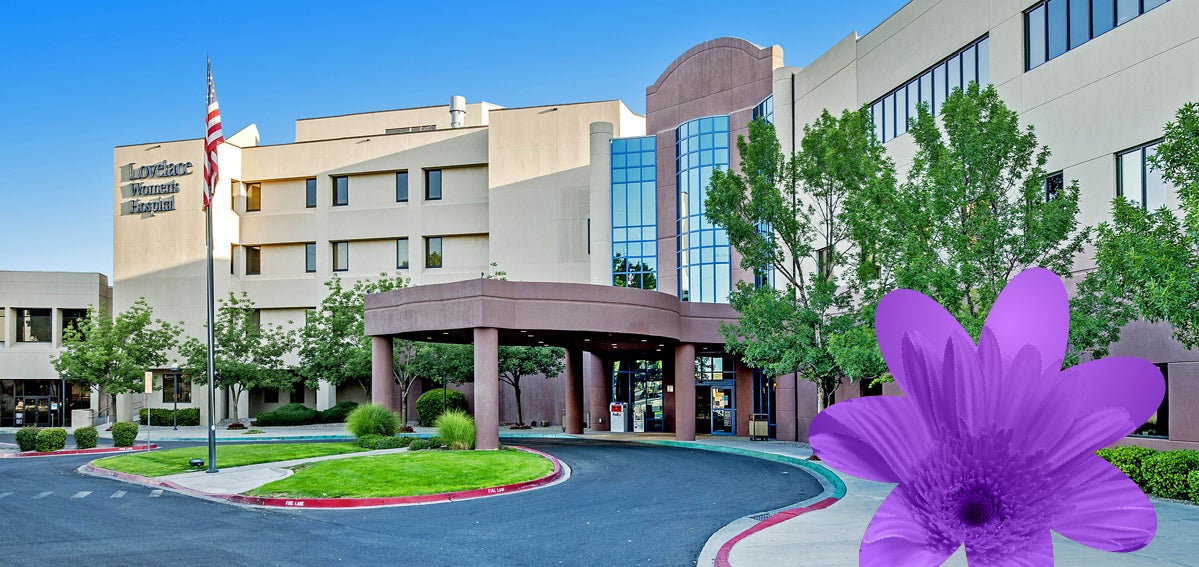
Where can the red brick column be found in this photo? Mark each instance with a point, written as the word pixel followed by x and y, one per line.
pixel 382 380
pixel 684 392
pixel 487 389
pixel 574 391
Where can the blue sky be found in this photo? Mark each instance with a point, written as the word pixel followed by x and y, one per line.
pixel 81 79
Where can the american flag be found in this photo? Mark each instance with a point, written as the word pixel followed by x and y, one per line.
pixel 211 140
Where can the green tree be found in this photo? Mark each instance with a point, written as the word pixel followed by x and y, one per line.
pixel 790 215
pixel 1146 261
pixel 114 353
pixel 518 362
pixel 246 354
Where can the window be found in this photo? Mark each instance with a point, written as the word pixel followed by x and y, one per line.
pixel 432 184
pixel 310 193
pixel 703 265
pixel 3 325
pixel 341 191
pixel 309 257
pixel 270 396
pixel 253 197
pixel 232 259
pixel 253 260
pixel 402 187
pixel 1158 424
pixel 1137 180
pixel 297 393
pixel 764 110
pixel 1053 27
pixel 401 253
pixel 341 256
pixel 176 389
pixel 635 212
pixel 824 262
pixel 433 252
pixel 33 326
pixel 893 111
pixel 1054 183
pixel 71 319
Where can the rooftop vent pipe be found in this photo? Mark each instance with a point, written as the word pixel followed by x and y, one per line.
pixel 457 111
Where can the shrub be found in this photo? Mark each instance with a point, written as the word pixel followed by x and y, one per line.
pixel 393 442
pixel 428 405
pixel 51 439
pixel 371 418
pixel 436 441
pixel 124 433
pixel 457 428
pixel 370 441
pixel 27 438
pixel 419 445
pixel 338 413
pixel 1193 480
pixel 85 437
pixel 165 417
pixel 290 414
pixel 1166 472
pixel 235 425
pixel 1129 460
pixel 253 432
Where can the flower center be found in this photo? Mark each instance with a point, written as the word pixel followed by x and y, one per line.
pixel 976 510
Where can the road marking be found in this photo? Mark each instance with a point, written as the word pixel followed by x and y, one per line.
pixel 5 494
pixel 118 494
pixel 155 493
pixel 82 494
pixel 43 495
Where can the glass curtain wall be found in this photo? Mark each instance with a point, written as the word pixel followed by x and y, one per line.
pixel 634 213
pixel 704 270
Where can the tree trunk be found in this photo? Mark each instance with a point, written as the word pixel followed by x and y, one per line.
pixel 405 386
pixel 520 418
pixel 236 392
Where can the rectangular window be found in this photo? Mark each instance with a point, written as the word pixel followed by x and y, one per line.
pixel 401 186
pixel 1158 424
pixel 938 87
pixel 432 184
pixel 1103 17
pixel 341 191
pixel 232 259
pixel 1054 183
pixel 984 62
pixel 1053 27
pixel 876 111
pixel 253 197
pixel 888 117
pixel 3 325
pixel 253 260
pixel 1151 4
pixel 297 393
pixel 341 256
pixel 824 262
pixel 1155 187
pixel 270 396
pixel 955 73
pixel 1034 25
pixel 71 319
pixel 926 90
pixel 34 326
pixel 1126 10
pixel 310 193
pixel 176 389
pixel 894 112
pixel 401 253
pixel 913 100
pixel 1057 27
pixel 309 257
pixel 1080 22
pixel 1139 181
pixel 433 257
pixel 969 66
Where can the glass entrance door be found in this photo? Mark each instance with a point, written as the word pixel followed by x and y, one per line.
pixel 723 412
pixel 35 410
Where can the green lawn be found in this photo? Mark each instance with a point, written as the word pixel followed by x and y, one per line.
pixel 408 474
pixel 172 461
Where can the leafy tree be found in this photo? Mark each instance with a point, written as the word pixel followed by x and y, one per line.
pixel 632 274
pixel 1146 261
pixel 791 215
pixel 114 354
pixel 246 354
pixel 518 362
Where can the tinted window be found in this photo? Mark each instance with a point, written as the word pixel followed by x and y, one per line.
pixel 341 191
pixel 402 187
pixel 310 193
pixel 432 184
pixel 310 257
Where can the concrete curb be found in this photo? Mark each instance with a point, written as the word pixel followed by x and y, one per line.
pixel 94 451
pixel 834 490
pixel 560 472
pixel 346 437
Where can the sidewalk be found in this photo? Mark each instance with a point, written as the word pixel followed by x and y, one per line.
pixel 325 432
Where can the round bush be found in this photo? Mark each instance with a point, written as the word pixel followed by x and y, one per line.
pixel 370 418
pixel 165 417
pixel 1166 472
pixel 457 428
pixel 290 414
pixel 428 405
pixel 1129 459
pixel 338 413
pixel 51 439
pixel 85 437
pixel 370 441
pixel 1193 480
pixel 27 438
pixel 392 442
pixel 124 433
pixel 419 445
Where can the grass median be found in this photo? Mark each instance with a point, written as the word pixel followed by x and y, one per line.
pixel 408 474
pixel 173 461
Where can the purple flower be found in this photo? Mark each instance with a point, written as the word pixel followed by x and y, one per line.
pixel 993 444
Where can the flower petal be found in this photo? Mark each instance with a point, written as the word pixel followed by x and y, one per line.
pixel 904 311
pixel 894 538
pixel 1125 382
pixel 1037 553
pixel 1032 310
pixel 1108 512
pixel 876 438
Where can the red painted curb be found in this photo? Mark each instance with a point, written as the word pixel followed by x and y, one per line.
pixel 722 556
pixel 97 450
pixel 331 503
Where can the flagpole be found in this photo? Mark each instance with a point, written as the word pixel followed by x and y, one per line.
pixel 211 317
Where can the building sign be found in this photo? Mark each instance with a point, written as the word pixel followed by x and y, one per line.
pixel 151 188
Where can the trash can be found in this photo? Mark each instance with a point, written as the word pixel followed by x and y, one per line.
pixel 619 422
pixel 759 427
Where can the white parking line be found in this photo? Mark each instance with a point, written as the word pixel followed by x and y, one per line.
pixel 82 494
pixel 118 494
pixel 43 495
pixel 155 493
